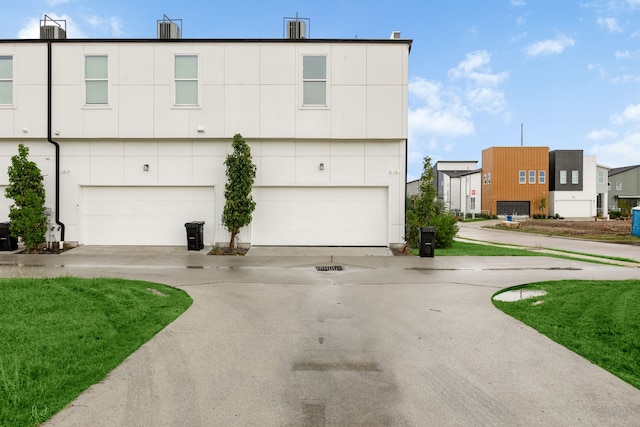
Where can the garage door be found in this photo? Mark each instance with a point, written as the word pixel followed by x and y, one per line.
pixel 513 208
pixel 574 208
pixel 144 215
pixel 320 216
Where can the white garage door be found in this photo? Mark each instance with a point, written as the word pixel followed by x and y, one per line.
pixel 574 208
pixel 144 215
pixel 320 216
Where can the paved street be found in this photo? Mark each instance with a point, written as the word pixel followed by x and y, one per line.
pixel 388 341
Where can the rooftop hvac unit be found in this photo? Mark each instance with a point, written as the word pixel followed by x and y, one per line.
pixel 296 30
pixel 48 32
pixel 168 30
pixel 395 35
pixel 53 28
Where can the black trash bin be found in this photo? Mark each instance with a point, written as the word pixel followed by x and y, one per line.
pixel 195 235
pixel 427 241
pixel 7 241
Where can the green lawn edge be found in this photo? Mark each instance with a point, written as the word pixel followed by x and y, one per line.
pixel 62 335
pixel 599 320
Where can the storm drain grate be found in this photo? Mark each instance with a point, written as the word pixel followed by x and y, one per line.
pixel 329 267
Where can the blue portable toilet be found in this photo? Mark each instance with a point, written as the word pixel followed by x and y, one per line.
pixel 635 221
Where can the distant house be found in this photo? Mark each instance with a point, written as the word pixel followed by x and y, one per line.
pixel 602 188
pixel 624 183
pixel 458 185
pixel 573 190
pixel 413 188
pixel 514 180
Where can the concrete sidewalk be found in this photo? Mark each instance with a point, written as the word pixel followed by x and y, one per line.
pixel 476 231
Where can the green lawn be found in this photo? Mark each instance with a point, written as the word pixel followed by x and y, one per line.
pixel 599 320
pixel 61 335
pixel 475 249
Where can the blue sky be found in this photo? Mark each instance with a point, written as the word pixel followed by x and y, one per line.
pixel 568 70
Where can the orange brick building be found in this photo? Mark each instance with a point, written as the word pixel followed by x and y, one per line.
pixel 515 180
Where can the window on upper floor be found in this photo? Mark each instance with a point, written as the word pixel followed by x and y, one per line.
pixel 6 80
pixel 575 177
pixel 522 177
pixel 314 80
pixel 600 177
pixel 563 177
pixel 542 177
pixel 532 177
pixel 186 80
pixel 618 186
pixel 96 77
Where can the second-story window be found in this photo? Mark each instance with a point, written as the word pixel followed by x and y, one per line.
pixel 314 80
pixel 575 177
pixel 532 177
pixel 96 77
pixel 522 177
pixel 542 177
pixel 600 177
pixel 186 80
pixel 563 177
pixel 6 80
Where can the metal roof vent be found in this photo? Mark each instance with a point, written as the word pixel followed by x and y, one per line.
pixel 395 35
pixel 169 28
pixel 296 28
pixel 53 28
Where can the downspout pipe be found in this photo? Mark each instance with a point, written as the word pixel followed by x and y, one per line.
pixel 50 139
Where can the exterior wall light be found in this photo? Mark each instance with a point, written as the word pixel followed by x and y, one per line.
pixel 321 166
pixel 145 168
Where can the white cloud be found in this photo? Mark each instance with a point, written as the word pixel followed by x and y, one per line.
pixel 609 24
pixel 598 68
pixel 476 67
pixel 439 112
pixel 481 91
pixel 56 2
pixel 626 78
pixel 518 3
pixel 597 135
pixel 549 47
pixel 623 152
pixel 622 54
pixel 111 26
pixel 487 99
pixel 630 114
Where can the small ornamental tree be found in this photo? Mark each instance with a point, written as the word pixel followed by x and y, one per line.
pixel 27 216
pixel 426 210
pixel 422 207
pixel 239 204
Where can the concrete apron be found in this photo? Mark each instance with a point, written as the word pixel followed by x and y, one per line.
pixel 253 251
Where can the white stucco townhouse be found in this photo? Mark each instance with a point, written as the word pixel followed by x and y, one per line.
pixel 131 136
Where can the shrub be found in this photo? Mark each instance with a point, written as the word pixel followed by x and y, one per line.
pixel 446 229
pixel 27 216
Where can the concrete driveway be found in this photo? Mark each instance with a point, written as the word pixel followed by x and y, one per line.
pixel 387 341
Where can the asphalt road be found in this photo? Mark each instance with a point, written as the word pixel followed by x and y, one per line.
pixel 388 341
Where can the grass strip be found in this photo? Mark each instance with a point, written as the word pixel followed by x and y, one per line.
pixel 61 335
pixel 598 320
pixel 474 249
